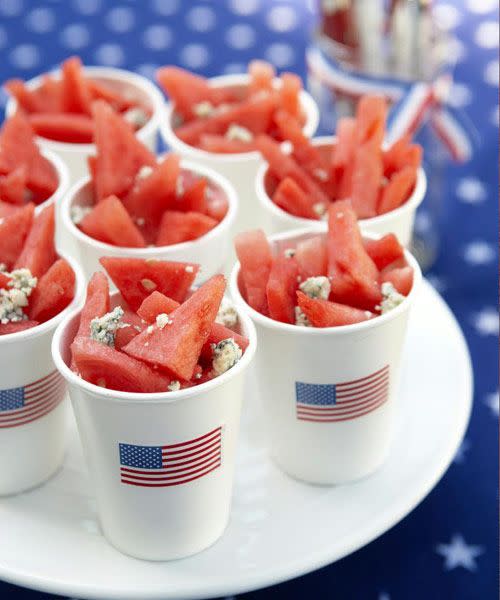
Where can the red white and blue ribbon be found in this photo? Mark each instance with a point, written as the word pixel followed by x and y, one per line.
pixel 413 103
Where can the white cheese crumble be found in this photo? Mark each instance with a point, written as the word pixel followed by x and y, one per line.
pixel 203 109
pixel 316 287
pixel 300 318
pixel 236 132
pixel 149 329
pixel 321 174
pixel 391 297
pixel 3 268
pixel 78 213
pixel 162 320
pixel 225 355
pixel 144 172
pixel 289 253
pixel 15 299
pixel 136 116
pixel 173 386
pixel 189 269
pixel 227 314
pixel 140 221
pixel 320 209
pixel 103 329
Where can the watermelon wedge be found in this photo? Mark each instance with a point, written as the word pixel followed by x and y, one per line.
pixel 176 347
pixel 14 230
pixel 177 227
pixel 366 180
pixel 194 197
pixel 136 278
pixel 76 96
pixel 254 253
pixel 133 326
pixel 96 303
pixel 262 75
pixel 281 288
pixel 323 313
pixel 402 154
pixel 109 222
pixel 6 209
pixel 291 85
pixel 371 114
pixel 155 304
pixel 384 251
pixel 343 151
pixel 54 291
pixel 292 198
pixel 39 253
pixel 311 257
pixel 107 367
pixel 397 190
pixel 69 128
pixel 12 186
pixel 6 328
pixel 25 97
pixel 401 278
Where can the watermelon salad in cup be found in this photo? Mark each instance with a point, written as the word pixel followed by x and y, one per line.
pixel 138 201
pixel 59 106
pixel 225 119
pixel 356 165
pixel 327 280
pixel 157 334
pixel 35 283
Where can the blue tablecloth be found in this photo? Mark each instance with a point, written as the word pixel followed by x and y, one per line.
pixel 447 548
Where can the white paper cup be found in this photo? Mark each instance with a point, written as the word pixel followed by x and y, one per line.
pixel 240 169
pixel 134 85
pixel 210 250
pixel 398 221
pixel 171 515
pixel 301 368
pixel 33 408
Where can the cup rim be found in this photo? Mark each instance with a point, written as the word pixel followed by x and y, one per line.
pixel 43 328
pixel 62 176
pixel 112 73
pixel 411 204
pixel 226 223
pixel 166 397
pixel 339 330
pixel 168 134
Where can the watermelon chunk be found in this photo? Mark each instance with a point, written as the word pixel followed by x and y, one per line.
pixel 401 278
pixel 154 305
pixel 311 257
pixel 100 90
pixel 49 95
pixel 220 144
pixel 54 291
pixel 371 114
pixel 292 198
pixel 109 222
pixel 402 154
pixel 397 190
pixel 6 328
pixel 107 367
pixel 185 89
pixel 366 180
pixel 323 313
pixel 218 333
pixel 96 303
pixel 12 186
pixel 76 96
pixel 291 85
pixel 177 227
pixel 194 197
pixel 136 278
pixel 69 128
pixel 343 151
pixel 150 196
pixel 281 288
pixel 384 251
pixel 6 209
pixel 262 75
pixel 255 256
pixel 134 326
pixel 14 230
pixel 39 253
pixel 354 275
pixel 217 203
pixel 176 347
pixel 25 97
pixel 120 154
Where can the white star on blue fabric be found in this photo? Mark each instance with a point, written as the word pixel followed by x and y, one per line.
pixel 492 401
pixel 471 191
pixel 458 554
pixel 460 454
pixel 384 596
pixel 479 253
pixel 486 321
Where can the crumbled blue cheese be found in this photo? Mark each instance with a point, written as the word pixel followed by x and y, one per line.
pixel 78 213
pixel 320 209
pixel 300 318
pixel 316 287
pixel 237 132
pixel 144 172
pixel 203 109
pixel 162 320
pixel 391 297
pixel 136 116
pixel 225 355
pixel 103 329
pixel 174 386
pixel 15 299
pixel 227 314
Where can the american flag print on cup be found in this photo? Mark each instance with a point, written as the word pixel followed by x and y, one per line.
pixel 332 403
pixel 172 464
pixel 22 405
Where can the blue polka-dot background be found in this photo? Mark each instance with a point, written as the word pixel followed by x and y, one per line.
pixel 447 548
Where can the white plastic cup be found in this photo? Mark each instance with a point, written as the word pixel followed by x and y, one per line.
pixel 33 406
pixel 210 250
pixel 398 221
pixel 161 522
pixel 240 169
pixel 133 85
pixel 296 365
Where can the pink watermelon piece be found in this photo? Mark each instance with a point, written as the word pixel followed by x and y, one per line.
pixel 96 303
pixel 194 197
pixel 281 287
pixel 218 333
pixel 366 180
pixel 75 92
pixel 69 128
pixel 54 291
pixel 402 154
pixel 371 114
pixel 134 326
pixel 12 186
pixel 154 305
pixel 6 209
pixel 384 251
pixel 401 278
pixel 292 199
pixel 311 257
pixel 177 227
pixel 39 253
pixel 14 230
pixel 255 256
pixel 262 75
pixel 291 86
pixel 323 313
pixel 397 190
